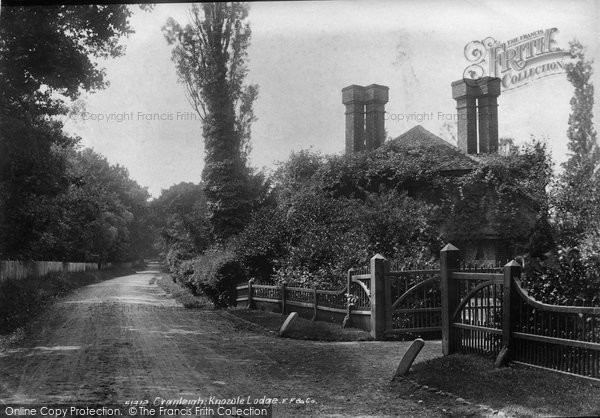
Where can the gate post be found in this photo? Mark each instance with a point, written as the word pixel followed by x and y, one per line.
pixel 509 315
pixel 347 319
pixel 449 262
pixel 283 298
pixel 250 291
pixel 379 266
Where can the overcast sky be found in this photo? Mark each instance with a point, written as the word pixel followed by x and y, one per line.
pixel 303 53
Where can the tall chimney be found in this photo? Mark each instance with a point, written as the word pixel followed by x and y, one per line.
pixel 466 107
pixel 488 114
pixel 477 101
pixel 353 97
pixel 376 96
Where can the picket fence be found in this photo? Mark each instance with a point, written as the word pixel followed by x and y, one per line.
pixel 475 310
pixel 18 270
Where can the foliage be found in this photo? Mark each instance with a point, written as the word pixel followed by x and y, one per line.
pixel 576 198
pixel 103 215
pixel 565 277
pixel 47 57
pixel 570 273
pixel 313 233
pixel 506 194
pixel 33 171
pixel 262 243
pixel 51 49
pixel 180 219
pixel 96 212
pixel 210 55
pixel 216 274
pixel 183 294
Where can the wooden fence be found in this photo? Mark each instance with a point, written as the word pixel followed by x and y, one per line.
pixel 491 314
pixel 339 306
pixel 478 309
pixel 23 269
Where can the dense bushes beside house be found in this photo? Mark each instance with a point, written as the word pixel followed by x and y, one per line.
pixel 326 214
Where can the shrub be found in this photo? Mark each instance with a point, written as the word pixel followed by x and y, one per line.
pixel 564 277
pixel 327 236
pixel 325 240
pixel 262 243
pixel 215 274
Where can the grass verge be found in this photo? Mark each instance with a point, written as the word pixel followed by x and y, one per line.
pixel 518 391
pixel 182 294
pixel 21 300
pixel 302 329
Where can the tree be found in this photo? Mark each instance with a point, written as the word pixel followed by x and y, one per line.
pixel 102 215
pixel 181 220
pixel 210 55
pixel 51 49
pixel 46 58
pixel 576 193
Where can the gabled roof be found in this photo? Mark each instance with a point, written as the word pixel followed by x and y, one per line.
pixel 439 155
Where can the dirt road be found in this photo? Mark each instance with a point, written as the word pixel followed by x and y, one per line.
pixel 125 339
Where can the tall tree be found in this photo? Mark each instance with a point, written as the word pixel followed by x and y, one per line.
pixel 210 56
pixel 576 194
pixel 47 57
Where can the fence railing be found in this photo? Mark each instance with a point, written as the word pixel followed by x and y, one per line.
pixel 565 338
pixel 490 313
pixel 479 309
pixel 18 270
pixel 350 305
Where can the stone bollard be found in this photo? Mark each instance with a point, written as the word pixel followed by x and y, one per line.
pixel 409 357
pixel 288 323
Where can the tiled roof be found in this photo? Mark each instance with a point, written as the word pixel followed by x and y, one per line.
pixel 439 155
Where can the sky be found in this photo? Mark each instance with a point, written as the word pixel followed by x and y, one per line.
pixel 303 53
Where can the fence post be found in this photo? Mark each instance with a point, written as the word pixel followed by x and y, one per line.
pixel 379 266
pixel 346 321
pixel 449 262
pixel 283 298
pixel 250 291
pixel 315 304
pixel 509 304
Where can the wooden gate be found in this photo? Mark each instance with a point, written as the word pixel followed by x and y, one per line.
pixel 413 303
pixel 476 323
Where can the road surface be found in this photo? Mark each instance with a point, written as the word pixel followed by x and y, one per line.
pixel 126 339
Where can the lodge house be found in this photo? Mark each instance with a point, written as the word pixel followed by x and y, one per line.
pixel 477 120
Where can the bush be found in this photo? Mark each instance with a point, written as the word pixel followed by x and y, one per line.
pixel 215 274
pixel 262 243
pixel 565 277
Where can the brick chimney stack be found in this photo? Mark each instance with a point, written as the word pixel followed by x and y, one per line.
pixel 365 110
pixel 354 98
pixel 488 114
pixel 376 97
pixel 477 104
pixel 466 107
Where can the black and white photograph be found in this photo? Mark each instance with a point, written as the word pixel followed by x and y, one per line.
pixel 299 208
